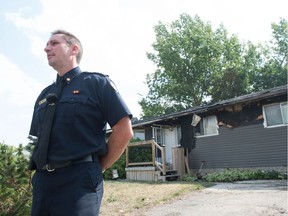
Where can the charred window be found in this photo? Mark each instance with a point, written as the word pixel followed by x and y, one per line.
pixel 208 126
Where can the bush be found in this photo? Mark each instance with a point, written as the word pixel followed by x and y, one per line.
pixel 232 175
pixel 188 178
pixel 15 187
pixel 136 154
pixel 119 165
pixel 140 154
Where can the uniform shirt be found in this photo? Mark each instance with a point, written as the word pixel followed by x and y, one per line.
pixel 87 103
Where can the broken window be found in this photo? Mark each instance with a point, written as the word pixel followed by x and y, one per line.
pixel 275 114
pixel 208 126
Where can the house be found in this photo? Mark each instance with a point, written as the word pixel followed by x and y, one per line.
pixel 248 131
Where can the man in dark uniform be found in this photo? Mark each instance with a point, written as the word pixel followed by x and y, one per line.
pixel 68 178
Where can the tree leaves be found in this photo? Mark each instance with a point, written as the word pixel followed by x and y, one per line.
pixel 196 64
pixel 15 191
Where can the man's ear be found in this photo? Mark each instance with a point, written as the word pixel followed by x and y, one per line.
pixel 75 49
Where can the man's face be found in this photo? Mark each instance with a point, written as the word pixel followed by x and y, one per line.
pixel 58 51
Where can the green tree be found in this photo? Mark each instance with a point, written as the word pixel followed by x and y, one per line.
pixel 229 79
pixel 190 58
pixel 15 188
pixel 31 145
pixel 274 59
pixel 196 64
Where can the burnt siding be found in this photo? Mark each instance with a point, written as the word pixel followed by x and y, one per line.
pixel 241 147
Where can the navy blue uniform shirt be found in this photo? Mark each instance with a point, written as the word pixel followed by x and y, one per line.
pixel 87 103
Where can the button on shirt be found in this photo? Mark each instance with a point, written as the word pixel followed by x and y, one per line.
pixel 87 103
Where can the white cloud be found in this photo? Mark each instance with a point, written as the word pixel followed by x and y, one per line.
pixel 116 35
pixel 113 43
pixel 16 87
pixel 17 94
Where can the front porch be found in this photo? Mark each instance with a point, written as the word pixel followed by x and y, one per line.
pixel 153 167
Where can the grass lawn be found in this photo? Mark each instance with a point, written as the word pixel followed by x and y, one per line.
pixel 122 198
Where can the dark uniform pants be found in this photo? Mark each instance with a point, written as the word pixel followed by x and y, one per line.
pixel 76 190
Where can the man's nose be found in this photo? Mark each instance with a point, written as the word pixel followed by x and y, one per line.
pixel 47 48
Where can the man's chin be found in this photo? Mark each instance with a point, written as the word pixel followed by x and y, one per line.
pixel 51 63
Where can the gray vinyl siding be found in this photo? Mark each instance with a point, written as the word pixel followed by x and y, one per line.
pixel 241 147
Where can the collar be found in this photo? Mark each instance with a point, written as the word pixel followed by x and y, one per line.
pixel 69 76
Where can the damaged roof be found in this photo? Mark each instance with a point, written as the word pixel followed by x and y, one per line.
pixel 256 96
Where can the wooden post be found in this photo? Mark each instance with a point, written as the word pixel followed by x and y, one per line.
pixel 153 153
pixel 127 156
pixel 178 160
pixel 186 162
pixel 163 160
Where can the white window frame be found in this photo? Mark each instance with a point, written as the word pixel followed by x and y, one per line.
pixel 283 113
pixel 158 135
pixel 212 120
pixel 179 135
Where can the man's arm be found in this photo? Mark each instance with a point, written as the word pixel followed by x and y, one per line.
pixel 118 140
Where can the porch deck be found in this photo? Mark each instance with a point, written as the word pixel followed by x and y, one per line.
pixel 156 169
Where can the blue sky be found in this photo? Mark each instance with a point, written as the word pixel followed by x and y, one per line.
pixel 116 34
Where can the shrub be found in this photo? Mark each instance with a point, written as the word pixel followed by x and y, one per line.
pixel 15 188
pixel 136 154
pixel 188 178
pixel 140 154
pixel 232 175
pixel 119 165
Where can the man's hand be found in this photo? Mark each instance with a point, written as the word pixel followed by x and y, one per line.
pixel 121 134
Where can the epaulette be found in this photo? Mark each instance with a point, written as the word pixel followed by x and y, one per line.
pixel 98 73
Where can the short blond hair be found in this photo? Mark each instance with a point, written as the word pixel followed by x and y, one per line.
pixel 71 39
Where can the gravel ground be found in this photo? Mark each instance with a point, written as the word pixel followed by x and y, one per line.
pixel 247 198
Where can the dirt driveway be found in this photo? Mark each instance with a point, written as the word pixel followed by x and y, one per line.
pixel 248 198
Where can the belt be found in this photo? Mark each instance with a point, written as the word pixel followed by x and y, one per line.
pixel 52 167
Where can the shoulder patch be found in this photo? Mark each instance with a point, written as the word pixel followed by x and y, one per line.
pixel 42 101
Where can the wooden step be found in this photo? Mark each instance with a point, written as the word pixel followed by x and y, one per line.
pixel 173 177
pixel 170 172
